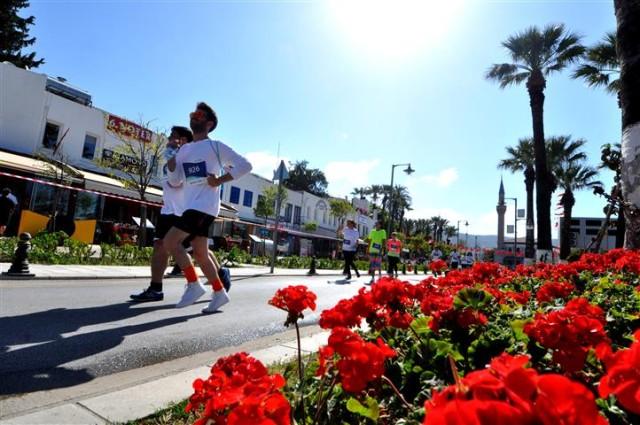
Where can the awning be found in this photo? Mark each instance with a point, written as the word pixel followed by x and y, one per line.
pixel 149 223
pixel 304 234
pixel 255 238
pixel 101 183
pixel 34 166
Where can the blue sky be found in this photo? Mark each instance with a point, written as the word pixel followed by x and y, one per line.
pixel 350 86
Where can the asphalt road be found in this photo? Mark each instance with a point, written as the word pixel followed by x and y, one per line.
pixel 56 334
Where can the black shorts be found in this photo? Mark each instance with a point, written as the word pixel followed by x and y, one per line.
pixel 196 223
pixel 165 222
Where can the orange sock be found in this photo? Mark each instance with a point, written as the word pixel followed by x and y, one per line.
pixel 216 284
pixel 190 274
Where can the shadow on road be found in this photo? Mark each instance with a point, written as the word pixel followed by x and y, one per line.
pixel 39 365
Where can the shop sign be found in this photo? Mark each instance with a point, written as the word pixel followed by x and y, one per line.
pixel 125 129
pixel 126 160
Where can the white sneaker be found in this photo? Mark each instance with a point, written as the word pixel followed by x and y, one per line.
pixel 192 292
pixel 218 299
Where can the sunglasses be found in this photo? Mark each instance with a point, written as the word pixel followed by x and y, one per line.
pixel 199 115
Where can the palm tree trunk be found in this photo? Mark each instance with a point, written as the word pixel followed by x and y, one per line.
pixel 529 180
pixel 621 226
pixel 535 86
pixel 628 34
pixel 568 201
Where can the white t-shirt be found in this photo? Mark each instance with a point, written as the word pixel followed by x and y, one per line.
pixel 350 241
pixel 196 160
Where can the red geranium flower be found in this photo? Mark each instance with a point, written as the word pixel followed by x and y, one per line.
pixel 623 376
pixel 294 299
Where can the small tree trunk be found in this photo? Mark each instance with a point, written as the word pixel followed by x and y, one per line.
pixel 628 34
pixel 142 231
pixel 567 204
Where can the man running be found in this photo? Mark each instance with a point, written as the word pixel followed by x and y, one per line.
pixel 394 248
pixel 350 237
pixel 376 240
pixel 196 169
pixel 169 214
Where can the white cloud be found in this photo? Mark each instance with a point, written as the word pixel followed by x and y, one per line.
pixel 264 163
pixel 444 178
pixel 343 176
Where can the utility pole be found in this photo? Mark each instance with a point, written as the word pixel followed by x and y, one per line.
pixel 281 174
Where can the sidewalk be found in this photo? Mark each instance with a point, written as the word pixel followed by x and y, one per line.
pixel 127 396
pixel 66 272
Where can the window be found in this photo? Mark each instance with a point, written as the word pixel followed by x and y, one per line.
pixel 51 134
pixel 89 148
pixel 248 198
pixel 596 223
pixel 296 215
pixel 234 197
pixel 287 213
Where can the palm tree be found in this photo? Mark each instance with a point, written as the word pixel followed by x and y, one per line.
pixel 400 203
pixel 535 55
pixel 521 159
pixel 628 48
pixel 360 192
pixel 601 68
pixel 439 225
pixel 571 175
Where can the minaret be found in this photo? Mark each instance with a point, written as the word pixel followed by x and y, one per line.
pixel 501 208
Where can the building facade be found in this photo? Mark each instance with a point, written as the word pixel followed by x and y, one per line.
pixel 45 121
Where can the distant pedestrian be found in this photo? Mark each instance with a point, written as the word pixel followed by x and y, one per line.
pixel 376 238
pixel 467 260
pixel 394 248
pixel 454 260
pixel 350 237
pixel 8 203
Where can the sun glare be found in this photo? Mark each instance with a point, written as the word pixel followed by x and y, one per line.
pixel 394 28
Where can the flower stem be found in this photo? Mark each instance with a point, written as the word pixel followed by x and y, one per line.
pixel 398 393
pixel 300 372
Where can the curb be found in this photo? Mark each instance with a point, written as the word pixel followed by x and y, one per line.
pixel 148 276
pixel 142 399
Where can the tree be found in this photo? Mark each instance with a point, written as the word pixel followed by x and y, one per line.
pixel 439 225
pixel 610 159
pixel 628 48
pixel 400 202
pixel 265 207
pixel 571 174
pixel 14 35
pixel 535 55
pixel 136 160
pixel 340 208
pixel 311 180
pixel 522 159
pixel 600 66
pixel 57 168
pixel 360 192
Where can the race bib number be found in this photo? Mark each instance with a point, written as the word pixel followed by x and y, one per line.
pixel 195 172
pixel 376 246
pixel 347 242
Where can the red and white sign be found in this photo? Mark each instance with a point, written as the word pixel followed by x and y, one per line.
pixel 126 129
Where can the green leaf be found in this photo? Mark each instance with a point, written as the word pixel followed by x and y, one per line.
pixel 518 329
pixel 473 298
pixel 371 410
pixel 421 325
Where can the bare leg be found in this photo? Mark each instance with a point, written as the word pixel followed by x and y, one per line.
pixel 159 261
pixel 173 243
pixel 202 256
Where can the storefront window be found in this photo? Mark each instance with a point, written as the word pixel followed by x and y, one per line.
pixel 87 206
pixel 43 198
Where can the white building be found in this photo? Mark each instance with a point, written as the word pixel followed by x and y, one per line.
pixel 39 113
pixel 585 229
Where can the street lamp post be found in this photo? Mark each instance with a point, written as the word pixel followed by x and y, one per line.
pixel 466 234
pixel 407 170
pixel 466 223
pixel 515 231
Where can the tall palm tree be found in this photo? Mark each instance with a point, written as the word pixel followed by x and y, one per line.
pixel 439 225
pixel 360 192
pixel 536 54
pixel 628 48
pixel 571 176
pixel 522 159
pixel 601 68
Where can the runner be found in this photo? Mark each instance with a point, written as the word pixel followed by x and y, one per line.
pixel 349 247
pixel 195 168
pixel 394 248
pixel 376 240
pixel 169 214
